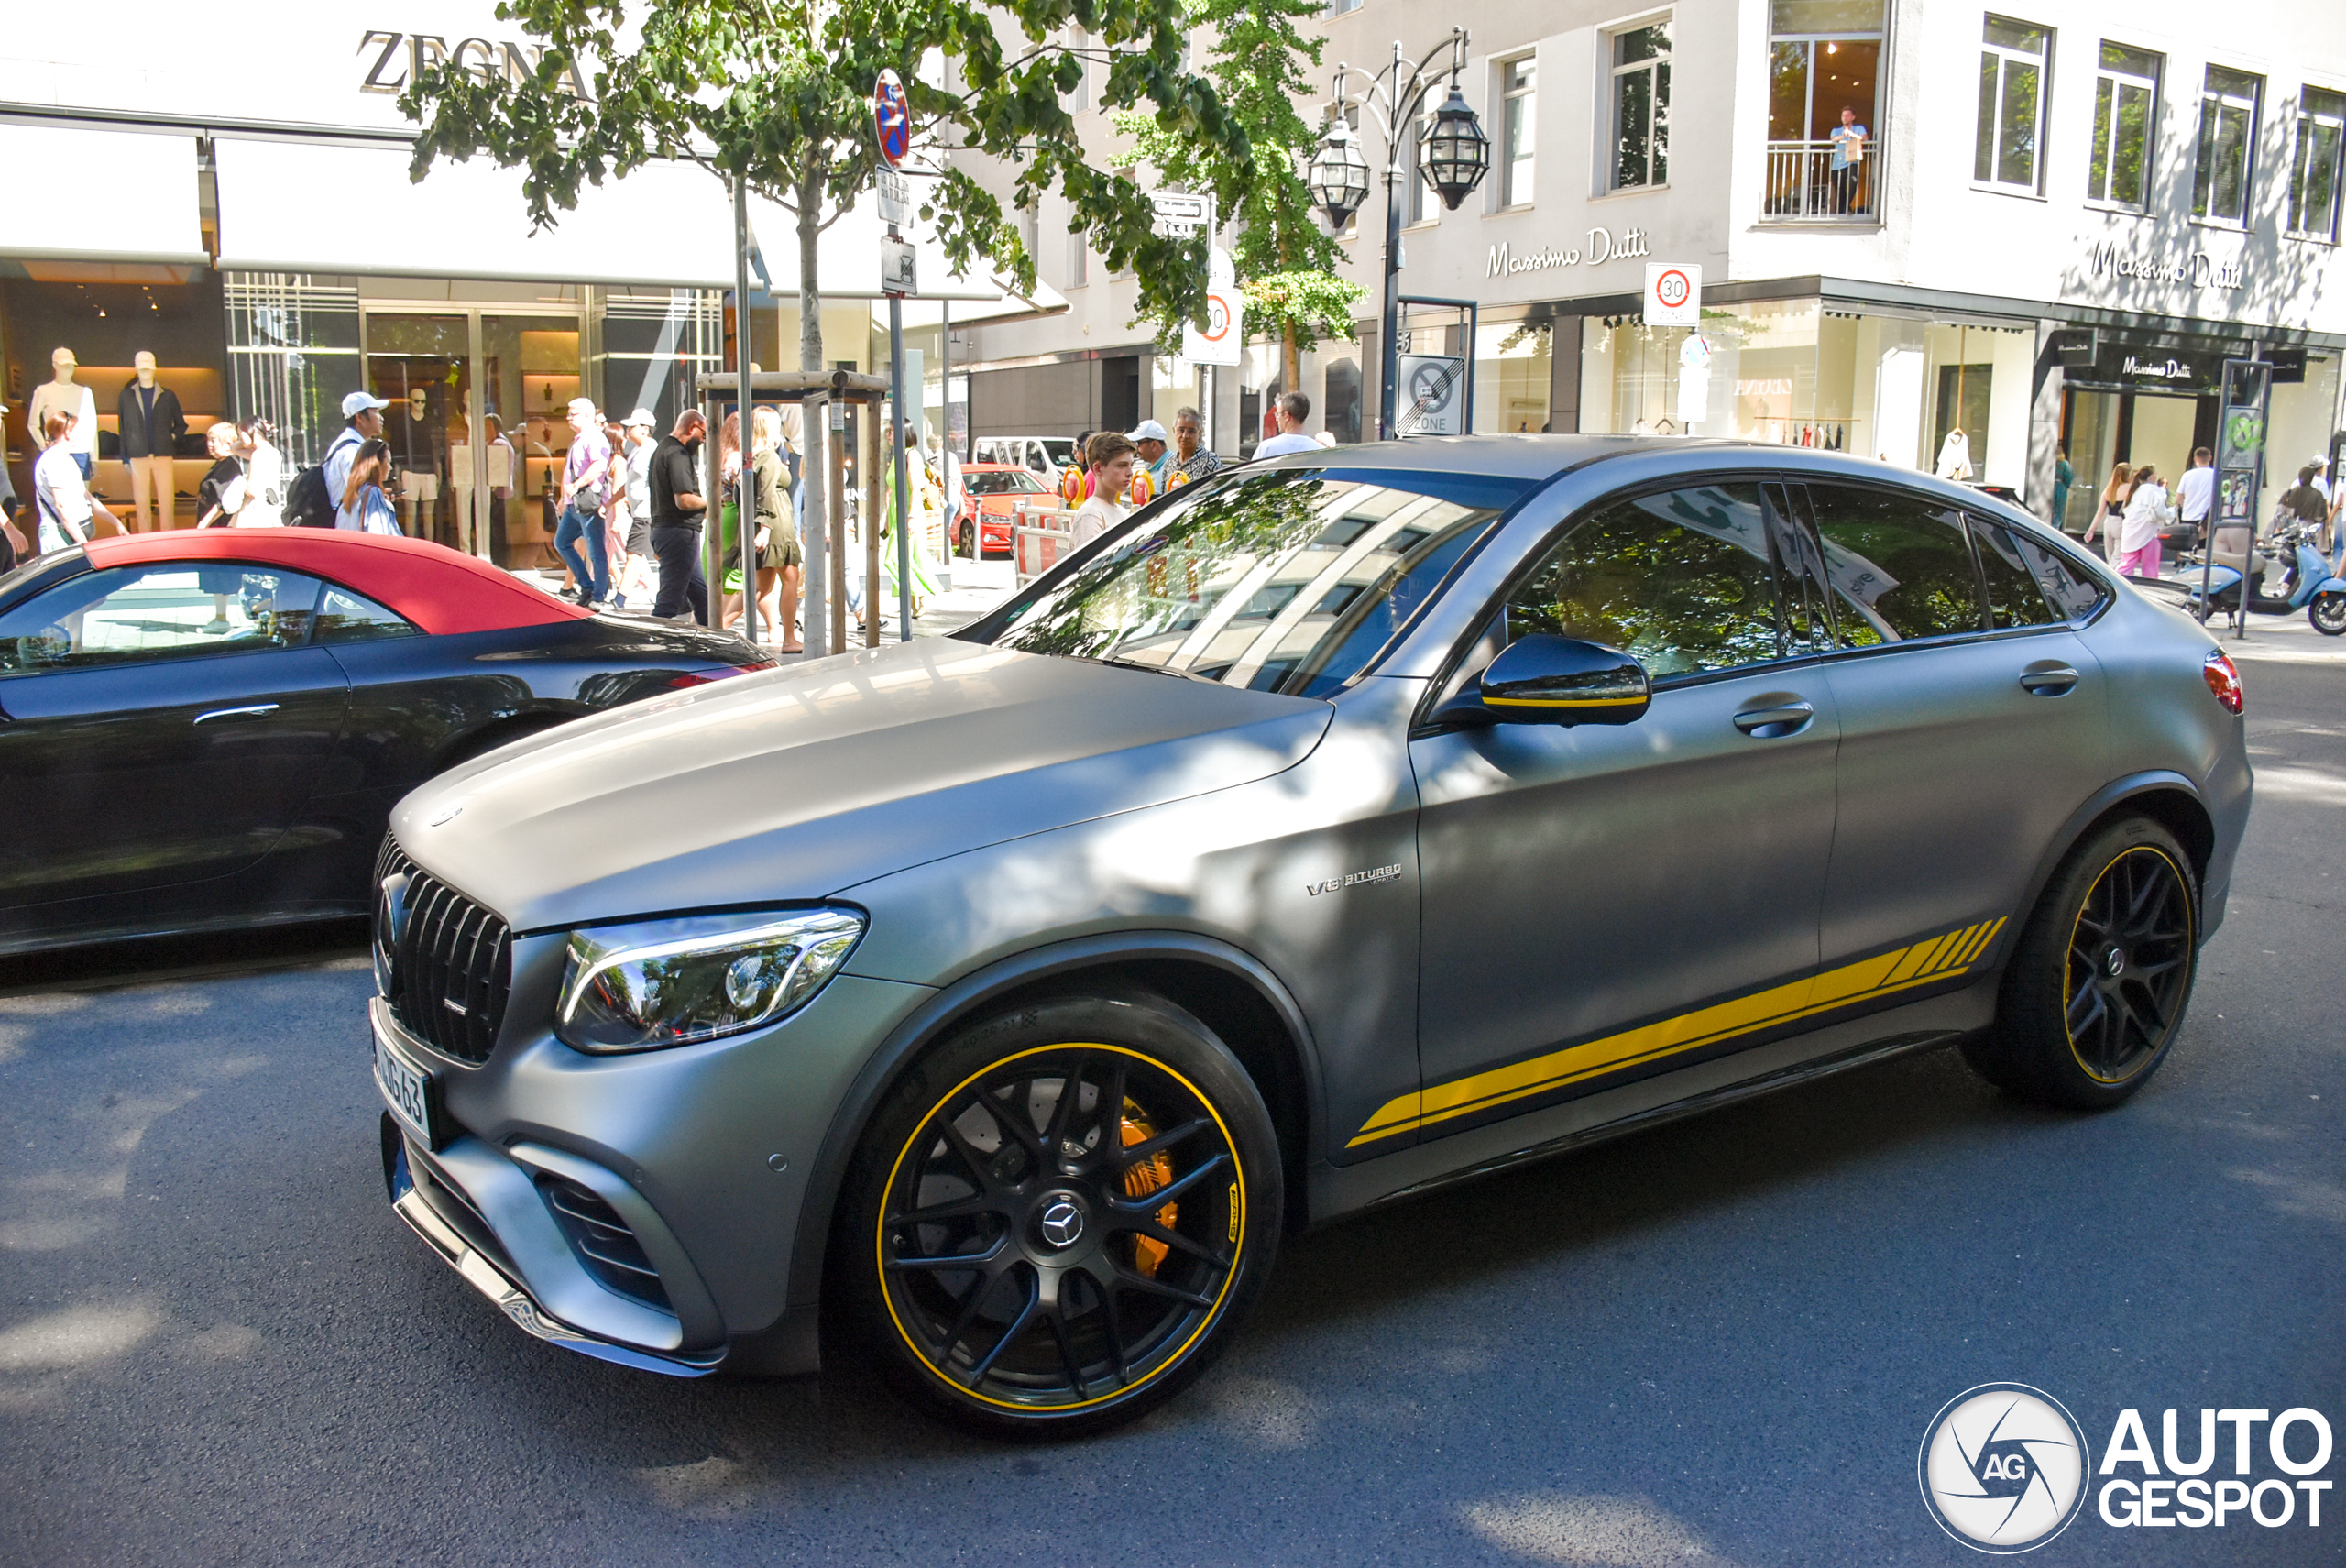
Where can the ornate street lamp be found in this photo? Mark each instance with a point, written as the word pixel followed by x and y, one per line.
pixel 1338 175
pixel 1454 155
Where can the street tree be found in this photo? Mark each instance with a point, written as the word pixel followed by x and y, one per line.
pixel 778 92
pixel 1285 260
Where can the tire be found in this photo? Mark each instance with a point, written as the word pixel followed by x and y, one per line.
pixel 968 545
pixel 2328 613
pixel 1083 1307
pixel 2096 992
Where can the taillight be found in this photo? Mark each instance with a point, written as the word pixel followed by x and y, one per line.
pixel 722 672
pixel 2223 678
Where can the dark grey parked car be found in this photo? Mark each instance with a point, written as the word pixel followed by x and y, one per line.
pixel 1337 828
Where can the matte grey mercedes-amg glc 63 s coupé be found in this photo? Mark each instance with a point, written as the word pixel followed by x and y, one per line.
pixel 987 1007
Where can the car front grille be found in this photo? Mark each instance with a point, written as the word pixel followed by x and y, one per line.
pixel 606 1246
pixel 445 962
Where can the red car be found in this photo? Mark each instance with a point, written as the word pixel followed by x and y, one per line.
pixel 989 496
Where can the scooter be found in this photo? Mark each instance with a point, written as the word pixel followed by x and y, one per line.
pixel 2305 583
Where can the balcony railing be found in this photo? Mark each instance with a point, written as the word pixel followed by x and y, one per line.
pixel 1804 187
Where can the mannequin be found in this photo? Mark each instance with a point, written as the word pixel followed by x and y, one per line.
pixel 417 446
pixel 151 424
pixel 64 395
pixel 1955 457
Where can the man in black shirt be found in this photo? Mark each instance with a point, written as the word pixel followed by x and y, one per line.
pixel 677 511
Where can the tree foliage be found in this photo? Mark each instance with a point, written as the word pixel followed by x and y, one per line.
pixel 780 90
pixel 1286 261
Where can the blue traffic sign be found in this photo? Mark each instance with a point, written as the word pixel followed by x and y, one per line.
pixel 892 116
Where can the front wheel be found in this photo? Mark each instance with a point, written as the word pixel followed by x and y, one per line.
pixel 1057 1221
pixel 968 543
pixel 2095 994
pixel 2328 613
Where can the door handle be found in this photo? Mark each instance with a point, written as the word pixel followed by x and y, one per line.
pixel 1776 721
pixel 2048 680
pixel 255 709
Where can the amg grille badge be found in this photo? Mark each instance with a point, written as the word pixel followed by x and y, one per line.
pixel 1353 879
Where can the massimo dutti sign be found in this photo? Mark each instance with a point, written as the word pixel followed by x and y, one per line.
pixel 1602 247
pixel 2194 268
pixel 395 58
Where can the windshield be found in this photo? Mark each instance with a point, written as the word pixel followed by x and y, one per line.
pixel 1286 580
pixel 1058 449
pixel 998 482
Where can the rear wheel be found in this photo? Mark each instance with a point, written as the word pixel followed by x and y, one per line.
pixel 1057 1221
pixel 2096 992
pixel 2328 613
pixel 968 542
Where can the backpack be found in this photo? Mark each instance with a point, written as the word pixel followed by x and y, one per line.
pixel 306 504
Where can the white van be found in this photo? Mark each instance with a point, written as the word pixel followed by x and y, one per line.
pixel 1042 456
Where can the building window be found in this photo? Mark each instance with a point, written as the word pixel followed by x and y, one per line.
pixel 1642 107
pixel 1517 84
pixel 1338 7
pixel 1823 61
pixel 1418 203
pixel 2012 60
pixel 1079 260
pixel 2125 123
pixel 2314 170
pixel 2228 107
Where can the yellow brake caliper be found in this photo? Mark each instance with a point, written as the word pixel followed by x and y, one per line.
pixel 1144 1179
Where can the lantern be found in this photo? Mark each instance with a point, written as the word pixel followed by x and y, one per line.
pixel 1338 175
pixel 1457 154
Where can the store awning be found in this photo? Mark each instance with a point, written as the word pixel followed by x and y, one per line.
pixel 288 206
pixel 99 195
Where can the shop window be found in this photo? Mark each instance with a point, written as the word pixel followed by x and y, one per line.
pixel 1518 85
pixel 2013 61
pixel 1901 568
pixel 2227 108
pixel 1679 580
pixel 2314 169
pixel 1340 401
pixel 2125 125
pixel 1515 371
pixel 1642 107
pixel 1823 61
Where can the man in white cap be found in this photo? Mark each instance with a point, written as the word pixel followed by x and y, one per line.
pixel 1153 446
pixel 635 578
pixel 585 477
pixel 362 422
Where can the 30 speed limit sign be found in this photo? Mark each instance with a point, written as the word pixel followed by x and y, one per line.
pixel 1224 331
pixel 1673 294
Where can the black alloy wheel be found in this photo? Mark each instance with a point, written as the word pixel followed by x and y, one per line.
pixel 2096 993
pixel 1077 1202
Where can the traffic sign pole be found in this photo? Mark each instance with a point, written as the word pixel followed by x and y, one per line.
pixel 892 123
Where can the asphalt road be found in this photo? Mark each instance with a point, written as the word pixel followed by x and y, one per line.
pixel 1715 1343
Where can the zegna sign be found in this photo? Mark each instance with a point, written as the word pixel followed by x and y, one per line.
pixel 1602 247
pixel 397 58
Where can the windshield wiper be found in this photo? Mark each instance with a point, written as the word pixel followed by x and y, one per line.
pixel 1157 669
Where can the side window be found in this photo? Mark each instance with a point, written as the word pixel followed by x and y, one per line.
pixel 149 614
pixel 2015 597
pixel 1900 566
pixel 1680 580
pixel 346 617
pixel 2074 594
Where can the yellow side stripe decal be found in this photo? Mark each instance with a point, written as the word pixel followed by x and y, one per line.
pixel 1881 975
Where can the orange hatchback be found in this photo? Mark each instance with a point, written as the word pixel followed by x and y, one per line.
pixel 991 493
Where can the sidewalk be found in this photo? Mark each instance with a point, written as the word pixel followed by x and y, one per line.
pixel 978 586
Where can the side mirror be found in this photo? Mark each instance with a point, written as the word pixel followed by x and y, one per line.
pixel 1541 679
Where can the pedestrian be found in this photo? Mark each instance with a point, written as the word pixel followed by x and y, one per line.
pixel 1108 461
pixel 1156 453
pixel 2064 478
pixel 2146 513
pixel 219 494
pixel 925 503
pixel 635 577
pixel 264 473
pixel 361 417
pixel 365 494
pixel 1192 458
pixel 2194 493
pixel 678 511
pixel 781 562
pixel 2111 505
pixel 614 504
pixel 1849 161
pixel 2305 501
pixel 1292 409
pixel 61 495
pixel 585 476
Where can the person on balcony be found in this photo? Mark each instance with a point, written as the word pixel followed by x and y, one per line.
pixel 1848 162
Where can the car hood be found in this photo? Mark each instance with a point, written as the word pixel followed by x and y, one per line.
pixel 800 782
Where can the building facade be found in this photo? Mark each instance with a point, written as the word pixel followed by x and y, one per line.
pixel 2045 228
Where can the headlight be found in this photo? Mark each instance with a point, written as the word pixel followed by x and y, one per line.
pixel 670 982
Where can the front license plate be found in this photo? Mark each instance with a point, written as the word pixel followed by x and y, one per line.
pixel 407 1092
